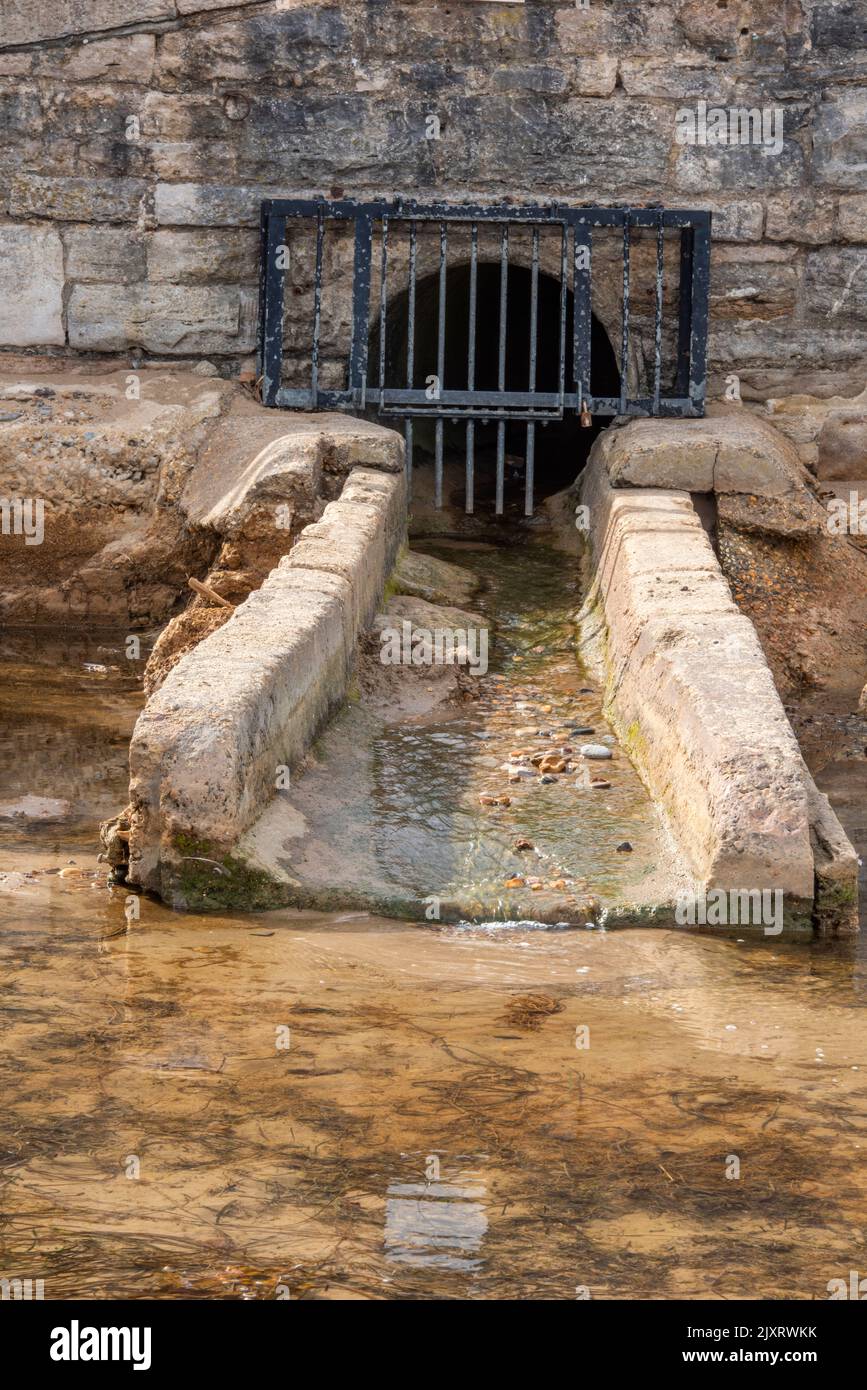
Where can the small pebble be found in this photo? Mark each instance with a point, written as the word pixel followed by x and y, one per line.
pixel 547 779
pixel 594 750
pixel 581 731
pixel 624 848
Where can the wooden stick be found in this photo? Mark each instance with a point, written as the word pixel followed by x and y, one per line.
pixel 207 592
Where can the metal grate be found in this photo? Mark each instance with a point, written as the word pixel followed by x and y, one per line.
pixel 366 254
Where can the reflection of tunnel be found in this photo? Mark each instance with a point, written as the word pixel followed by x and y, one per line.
pixel 561 446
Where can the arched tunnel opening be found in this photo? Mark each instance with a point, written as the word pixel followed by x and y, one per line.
pixel 561 445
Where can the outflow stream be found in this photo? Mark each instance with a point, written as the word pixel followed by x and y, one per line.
pixel 451 815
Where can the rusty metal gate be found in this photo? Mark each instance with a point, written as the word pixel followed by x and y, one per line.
pixel 380 239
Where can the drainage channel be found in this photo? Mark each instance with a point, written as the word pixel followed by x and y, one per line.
pixel 511 802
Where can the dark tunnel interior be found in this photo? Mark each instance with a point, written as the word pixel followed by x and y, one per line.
pixel 561 446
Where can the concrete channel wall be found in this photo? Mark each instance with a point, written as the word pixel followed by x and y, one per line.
pixel 208 748
pixel 693 699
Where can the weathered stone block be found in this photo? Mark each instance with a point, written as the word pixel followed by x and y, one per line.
pixel 129 58
pixel 730 451
pixel 752 283
pixel 843 445
pixel 252 695
pixel 593 77
pixel 31 287
pixel 29 21
pixel 537 78
pixel 692 692
pixel 763 29
pixel 164 318
pixel 736 221
pixel 77 199
pixel 699 168
pixel 292 43
pixel 840 141
pixel 676 79
pixel 852 217
pixel 192 257
pixel 800 216
pixel 115 255
pixel 839 24
pixel 204 205
pixel 836 282
pixel 20 112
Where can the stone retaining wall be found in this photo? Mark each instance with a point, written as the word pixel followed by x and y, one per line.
pixel 208 749
pixel 139 139
pixel 694 702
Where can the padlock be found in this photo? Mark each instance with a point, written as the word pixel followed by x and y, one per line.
pixel 585 417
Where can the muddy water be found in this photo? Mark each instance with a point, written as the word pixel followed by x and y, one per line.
pixel 347 1107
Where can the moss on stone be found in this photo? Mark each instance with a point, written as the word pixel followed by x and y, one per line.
pixel 210 880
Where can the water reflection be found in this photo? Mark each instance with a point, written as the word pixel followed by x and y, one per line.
pixel 439 1223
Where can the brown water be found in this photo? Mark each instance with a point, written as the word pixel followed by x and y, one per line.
pixel 344 1106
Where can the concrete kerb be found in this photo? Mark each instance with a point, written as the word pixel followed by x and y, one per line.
pixel 691 695
pixel 251 697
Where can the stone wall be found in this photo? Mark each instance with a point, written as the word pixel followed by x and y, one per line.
pixel 686 682
pixel 245 704
pixel 140 137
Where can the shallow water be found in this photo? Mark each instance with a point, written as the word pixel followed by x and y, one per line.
pixel 343 1106
pixel 389 813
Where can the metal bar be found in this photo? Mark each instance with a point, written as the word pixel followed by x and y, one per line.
pixel 699 291
pixel 317 312
pixel 410 342
pixel 684 332
pixel 383 273
pixel 441 366
pixel 347 209
pixel 470 488
pixel 360 305
pixel 530 456
pixel 410 329
pixel 564 243
pixel 657 331
pixel 501 364
pixel 624 344
pixel 290 398
pixel 408 434
pixel 484 400
pixel 264 215
pixel 582 312
pixel 272 326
